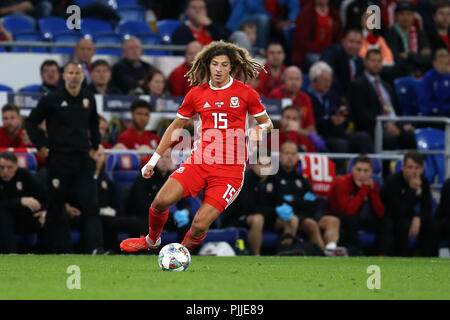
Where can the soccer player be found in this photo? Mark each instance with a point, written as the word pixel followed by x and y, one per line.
pixel 217 162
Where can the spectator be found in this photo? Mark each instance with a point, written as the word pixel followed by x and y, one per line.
pixel 253 208
pixel 103 128
pixel 345 61
pixel 84 51
pixel 351 12
pixel 130 70
pixel 355 199
pixel 439 33
pixel 251 10
pixel 443 213
pixel 42 9
pixel 434 89
pixel 11 134
pixel 153 84
pixel 294 198
pixel 245 37
pixel 198 26
pixel 368 97
pixel 284 13
pixel 101 78
pixel 388 8
pixel 317 26
pixel 179 84
pixel 5 35
pixel 409 45
pixel 50 76
pixel 22 203
pixel 274 66
pixel 136 137
pixel 291 130
pixel 407 199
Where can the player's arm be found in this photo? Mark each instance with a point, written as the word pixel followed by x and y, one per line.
pixel 264 125
pixel 166 141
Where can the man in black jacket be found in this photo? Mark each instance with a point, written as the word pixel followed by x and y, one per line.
pixel 443 213
pixel 72 138
pixel 22 203
pixel 407 199
pixel 369 96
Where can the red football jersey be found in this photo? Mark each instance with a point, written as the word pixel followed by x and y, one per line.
pixel 224 118
pixel 132 140
pixel 320 172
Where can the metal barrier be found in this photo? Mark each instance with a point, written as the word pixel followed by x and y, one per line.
pixel 442 120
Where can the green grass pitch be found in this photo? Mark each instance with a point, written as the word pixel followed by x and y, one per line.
pixel 217 278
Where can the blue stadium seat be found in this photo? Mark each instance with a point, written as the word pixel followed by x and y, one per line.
pixel 28 240
pixel 133 13
pixel 30 88
pixel 432 139
pixel 65 37
pixel 6 88
pixel 306 82
pixel 126 3
pixel 92 26
pixel 51 25
pixel 108 38
pixel 288 32
pixel 17 23
pixel 124 167
pixel 27 161
pixel 230 235
pixel 150 39
pixel 165 29
pixel 32 36
pixel 82 3
pixel 366 239
pixel 406 89
pixel 2 49
pixel 133 27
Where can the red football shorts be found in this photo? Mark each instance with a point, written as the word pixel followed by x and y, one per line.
pixel 222 182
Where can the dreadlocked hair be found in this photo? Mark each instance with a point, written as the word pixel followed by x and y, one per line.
pixel 241 62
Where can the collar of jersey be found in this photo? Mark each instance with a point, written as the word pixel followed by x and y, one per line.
pixel 222 88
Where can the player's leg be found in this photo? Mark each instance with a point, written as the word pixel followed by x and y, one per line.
pixel 255 232
pixel 288 228
pixel 311 228
pixel 204 217
pixel 330 225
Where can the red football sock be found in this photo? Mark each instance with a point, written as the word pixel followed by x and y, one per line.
pixel 191 243
pixel 156 221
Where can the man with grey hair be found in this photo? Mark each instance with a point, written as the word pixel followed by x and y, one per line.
pixel 131 69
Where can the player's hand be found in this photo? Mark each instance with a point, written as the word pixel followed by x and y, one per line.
pixel 414 227
pixel 72 211
pixel 43 152
pixel 147 171
pixel 30 203
pixel 40 215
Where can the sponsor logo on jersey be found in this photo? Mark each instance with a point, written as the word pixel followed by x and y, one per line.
pixel 234 102
pixel 219 104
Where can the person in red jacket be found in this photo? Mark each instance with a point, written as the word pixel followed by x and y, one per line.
pixel 11 134
pixel 355 199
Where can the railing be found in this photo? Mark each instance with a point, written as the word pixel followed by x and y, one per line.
pixel 442 120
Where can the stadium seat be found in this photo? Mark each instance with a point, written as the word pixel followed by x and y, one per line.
pixel 92 26
pixel 2 49
pixel 51 25
pixel 127 27
pixel 406 90
pixel 306 82
pixel 229 235
pixel 165 29
pixel 288 32
pixel 31 36
pixel 82 3
pixel 17 24
pixel 65 37
pixel 27 161
pixel 152 39
pixel 432 139
pixel 6 88
pixel 126 3
pixel 28 240
pixel 133 13
pixel 30 88
pixel 108 38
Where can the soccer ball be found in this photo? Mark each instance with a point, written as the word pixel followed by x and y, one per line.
pixel 174 257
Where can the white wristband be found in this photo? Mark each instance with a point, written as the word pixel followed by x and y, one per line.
pixel 264 125
pixel 153 160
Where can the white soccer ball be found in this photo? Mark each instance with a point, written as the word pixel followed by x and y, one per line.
pixel 174 257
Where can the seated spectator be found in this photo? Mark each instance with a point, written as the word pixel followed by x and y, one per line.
pixel 179 84
pixel 443 213
pixel 136 137
pixel 84 51
pixel 352 11
pixel 345 61
pixel 317 26
pixel 153 84
pixel 5 35
pixel 41 9
pixel 283 13
pixel 245 37
pixel 253 206
pixel 407 199
pixel 439 33
pixel 22 203
pixel 103 128
pixel 355 199
pixel 131 69
pixel 388 8
pixel 11 134
pixel 290 130
pixel 198 26
pixel 251 10
pixel 368 97
pixel 409 45
pixel 50 76
pixel 274 66
pixel 296 202
pixel 101 79
pixel 434 89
